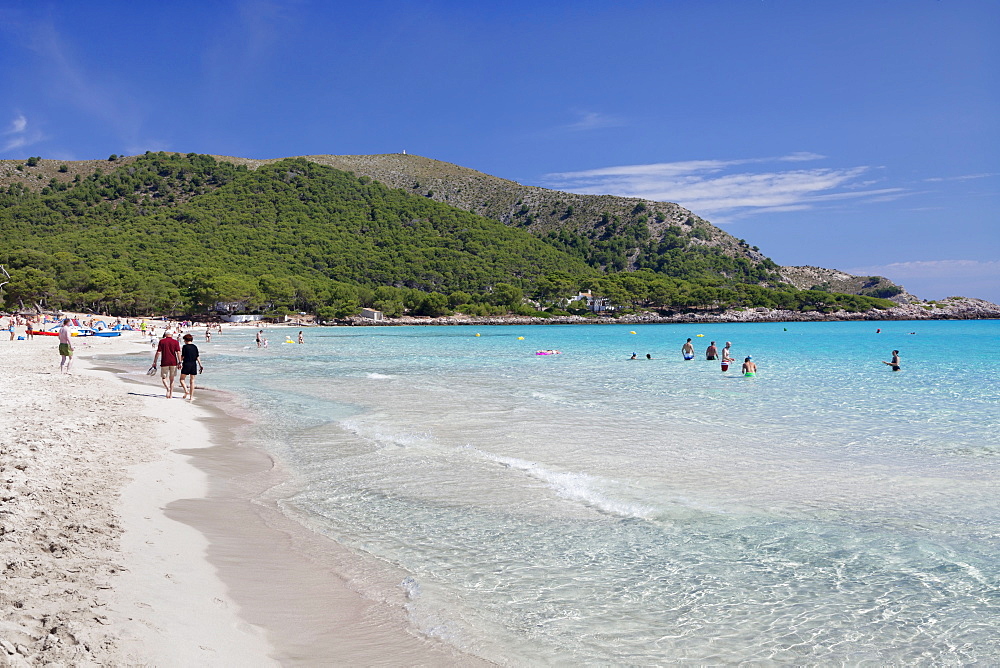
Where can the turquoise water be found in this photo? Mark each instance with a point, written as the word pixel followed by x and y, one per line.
pixel 586 509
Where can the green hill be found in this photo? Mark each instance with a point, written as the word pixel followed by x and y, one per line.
pixel 178 233
pixel 608 232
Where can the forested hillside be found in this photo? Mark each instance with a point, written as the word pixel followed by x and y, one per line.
pixel 608 232
pixel 180 233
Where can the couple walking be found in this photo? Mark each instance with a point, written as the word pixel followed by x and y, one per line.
pixel 170 355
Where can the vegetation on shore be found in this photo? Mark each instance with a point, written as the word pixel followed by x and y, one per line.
pixel 172 233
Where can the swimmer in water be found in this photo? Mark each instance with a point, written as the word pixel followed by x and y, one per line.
pixel 749 368
pixel 648 356
pixel 895 361
pixel 634 357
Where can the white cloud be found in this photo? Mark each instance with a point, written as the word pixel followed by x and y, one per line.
pixel 728 187
pixel 964 177
pixel 802 156
pixel 18 125
pixel 18 135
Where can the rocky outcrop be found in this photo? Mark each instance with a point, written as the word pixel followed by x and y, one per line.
pixel 832 280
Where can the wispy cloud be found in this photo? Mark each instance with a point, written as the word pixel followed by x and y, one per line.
pixel 247 45
pixel 18 125
pixel 83 89
pixel 729 188
pixel 19 134
pixel 964 177
pixel 933 269
pixel 593 120
pixel 91 93
pixel 801 156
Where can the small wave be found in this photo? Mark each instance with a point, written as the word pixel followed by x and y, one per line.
pixel 378 376
pixel 403 439
pixel 580 487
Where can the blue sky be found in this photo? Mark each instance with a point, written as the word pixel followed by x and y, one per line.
pixel 857 135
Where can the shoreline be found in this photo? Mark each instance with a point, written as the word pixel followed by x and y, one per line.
pixel 149 535
pixel 956 308
pixel 286 579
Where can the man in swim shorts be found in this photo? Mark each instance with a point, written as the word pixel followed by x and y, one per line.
pixel 688 350
pixel 168 352
pixel 711 353
pixel 749 368
pixel 65 347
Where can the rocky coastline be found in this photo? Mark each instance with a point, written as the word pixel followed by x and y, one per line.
pixel 953 308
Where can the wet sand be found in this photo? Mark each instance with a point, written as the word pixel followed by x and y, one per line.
pixel 138 530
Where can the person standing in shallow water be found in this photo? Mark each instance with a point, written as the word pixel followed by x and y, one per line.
pixel 688 350
pixel 749 368
pixel 711 353
pixel 895 361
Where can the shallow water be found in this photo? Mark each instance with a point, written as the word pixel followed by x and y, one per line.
pixel 584 508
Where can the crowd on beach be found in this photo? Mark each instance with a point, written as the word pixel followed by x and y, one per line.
pixel 174 360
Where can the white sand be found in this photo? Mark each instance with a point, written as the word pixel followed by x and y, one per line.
pixel 92 575
pixel 125 541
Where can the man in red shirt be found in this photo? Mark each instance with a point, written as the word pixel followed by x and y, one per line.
pixel 168 352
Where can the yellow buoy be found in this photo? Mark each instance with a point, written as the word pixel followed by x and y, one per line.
pixel 520 338
pixel 631 332
pixel 701 335
pixel 477 333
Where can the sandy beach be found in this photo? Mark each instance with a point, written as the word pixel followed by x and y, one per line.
pixel 135 530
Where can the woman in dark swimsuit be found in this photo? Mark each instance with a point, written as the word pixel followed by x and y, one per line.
pixel 190 366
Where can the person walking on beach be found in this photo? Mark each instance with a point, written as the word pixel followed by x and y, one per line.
pixel 711 353
pixel 688 350
pixel 168 354
pixel 190 366
pixel 749 368
pixel 65 347
pixel 895 361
